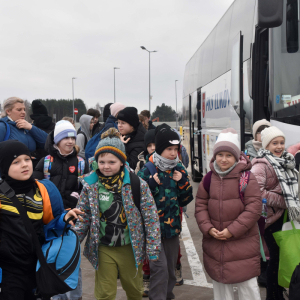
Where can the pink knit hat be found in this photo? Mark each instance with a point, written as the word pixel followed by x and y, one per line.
pixel 115 108
pixel 228 141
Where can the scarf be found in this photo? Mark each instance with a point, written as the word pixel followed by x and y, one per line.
pixel 164 164
pixel 223 173
pixel 257 145
pixel 287 175
pixel 112 183
pixel 20 187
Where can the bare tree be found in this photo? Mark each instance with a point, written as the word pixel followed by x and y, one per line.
pixel 28 111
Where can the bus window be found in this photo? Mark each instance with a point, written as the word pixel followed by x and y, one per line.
pixel 292 36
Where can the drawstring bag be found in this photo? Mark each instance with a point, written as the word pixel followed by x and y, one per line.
pixel 288 242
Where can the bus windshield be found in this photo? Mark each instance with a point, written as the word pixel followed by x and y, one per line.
pixel 285 59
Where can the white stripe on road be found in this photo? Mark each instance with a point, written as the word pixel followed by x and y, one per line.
pixel 199 278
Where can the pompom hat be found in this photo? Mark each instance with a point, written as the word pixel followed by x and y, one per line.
pixel 228 140
pixel 110 143
pixel 270 133
pixel 63 129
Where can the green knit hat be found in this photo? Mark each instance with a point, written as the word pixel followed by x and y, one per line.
pixel 110 143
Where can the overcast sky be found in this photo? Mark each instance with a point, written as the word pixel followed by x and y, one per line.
pixel 46 43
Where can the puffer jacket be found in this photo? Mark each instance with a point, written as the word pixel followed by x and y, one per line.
pixel 269 189
pixel 236 259
pixel 144 227
pixel 63 173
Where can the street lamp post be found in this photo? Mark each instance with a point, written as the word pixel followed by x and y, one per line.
pixel 73 97
pixel 115 84
pixel 176 104
pixel 149 78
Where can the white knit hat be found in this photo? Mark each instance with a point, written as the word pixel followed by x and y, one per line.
pixel 228 140
pixel 63 129
pixel 270 133
pixel 115 108
pixel 259 123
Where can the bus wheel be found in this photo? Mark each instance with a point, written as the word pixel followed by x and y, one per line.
pixel 196 176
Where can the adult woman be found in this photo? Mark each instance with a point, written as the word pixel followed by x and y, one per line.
pixel 275 172
pixel 14 113
pixel 133 133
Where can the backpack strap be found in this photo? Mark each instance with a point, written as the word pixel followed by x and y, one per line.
pixel 152 169
pixel 48 160
pixel 207 181
pixel 244 180
pixel 7 134
pixel 81 165
pixel 85 138
pixel 136 189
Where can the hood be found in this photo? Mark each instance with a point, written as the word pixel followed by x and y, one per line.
pixel 85 121
pixel 42 121
pixel 244 164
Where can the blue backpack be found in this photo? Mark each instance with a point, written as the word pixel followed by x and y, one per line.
pixel 7 134
pixel 94 141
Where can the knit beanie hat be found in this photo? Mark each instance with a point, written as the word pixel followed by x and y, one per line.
pixel 228 140
pixel 149 137
pixel 115 108
pixel 270 133
pixel 259 123
pixel 110 143
pixel 9 151
pixel 38 109
pixel 106 111
pixel 129 115
pixel 63 129
pixel 164 138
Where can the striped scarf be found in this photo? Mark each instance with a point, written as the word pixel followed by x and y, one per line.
pixel 287 175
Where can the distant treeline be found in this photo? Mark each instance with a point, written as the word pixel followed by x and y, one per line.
pixel 64 107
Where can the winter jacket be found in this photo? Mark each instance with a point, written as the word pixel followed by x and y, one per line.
pixel 150 125
pixel 97 128
pixel 251 152
pixel 236 259
pixel 63 172
pixel 169 196
pixel 269 189
pixel 135 146
pixel 143 227
pixel 83 138
pixel 33 138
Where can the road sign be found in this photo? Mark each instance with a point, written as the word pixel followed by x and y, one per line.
pixel 75 111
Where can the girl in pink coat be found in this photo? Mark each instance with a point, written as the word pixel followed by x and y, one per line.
pixel 231 251
pixel 277 177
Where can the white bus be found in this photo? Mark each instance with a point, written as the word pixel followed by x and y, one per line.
pixel 247 69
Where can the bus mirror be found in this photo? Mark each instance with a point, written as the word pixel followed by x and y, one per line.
pixel 270 13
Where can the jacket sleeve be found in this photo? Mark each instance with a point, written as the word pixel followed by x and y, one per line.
pixel 274 196
pixel 2 131
pixel 38 172
pixel 39 136
pixel 151 222
pixel 145 175
pixel 201 211
pixel 82 226
pixel 252 212
pixel 132 158
pixel 80 140
pixel 185 194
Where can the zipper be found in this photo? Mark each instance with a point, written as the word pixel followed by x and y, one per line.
pixel 221 224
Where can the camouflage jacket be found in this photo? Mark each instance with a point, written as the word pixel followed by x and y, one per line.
pixel 169 195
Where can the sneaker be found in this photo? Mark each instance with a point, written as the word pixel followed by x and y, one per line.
pixel 146 284
pixel 178 273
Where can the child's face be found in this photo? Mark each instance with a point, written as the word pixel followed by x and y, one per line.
pixel 225 160
pixel 277 146
pixel 124 127
pixel 21 168
pixel 66 145
pixel 109 164
pixel 151 148
pixel 171 152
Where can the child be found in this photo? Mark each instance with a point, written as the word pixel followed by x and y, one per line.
pixel 172 190
pixel 254 145
pixel 116 238
pixel 231 249
pixel 277 177
pixel 17 255
pixel 149 142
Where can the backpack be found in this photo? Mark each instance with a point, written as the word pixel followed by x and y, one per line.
pixel 59 258
pixel 48 160
pixel 93 142
pixel 7 134
pixel 294 289
pixel 85 138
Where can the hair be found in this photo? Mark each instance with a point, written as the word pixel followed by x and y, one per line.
pixel 77 148
pixel 145 113
pixel 93 112
pixel 9 103
pixel 142 120
pixel 261 128
pixel 293 149
pixel 71 120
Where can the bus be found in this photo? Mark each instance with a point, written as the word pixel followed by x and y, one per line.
pixel 247 69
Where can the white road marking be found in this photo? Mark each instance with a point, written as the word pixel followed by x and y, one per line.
pixel 199 278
